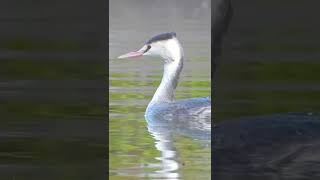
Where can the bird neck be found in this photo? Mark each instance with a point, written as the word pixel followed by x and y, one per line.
pixel 166 90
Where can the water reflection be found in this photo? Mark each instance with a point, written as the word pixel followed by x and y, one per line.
pixel 169 157
pixel 132 84
pixel 166 129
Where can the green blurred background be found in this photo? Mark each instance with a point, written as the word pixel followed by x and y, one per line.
pixel 53 90
pixel 270 60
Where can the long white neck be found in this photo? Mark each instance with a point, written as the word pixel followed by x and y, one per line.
pixel 172 68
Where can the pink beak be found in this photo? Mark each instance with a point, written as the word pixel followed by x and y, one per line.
pixel 131 55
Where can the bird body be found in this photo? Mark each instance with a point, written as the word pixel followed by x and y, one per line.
pixel 163 103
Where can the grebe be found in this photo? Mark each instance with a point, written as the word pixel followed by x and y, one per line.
pixel 163 105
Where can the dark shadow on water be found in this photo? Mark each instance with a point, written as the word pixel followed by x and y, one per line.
pixel 267 70
pixel 282 146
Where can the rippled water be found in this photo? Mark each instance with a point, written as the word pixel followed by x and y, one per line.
pixel 267 84
pixel 135 150
pixel 52 92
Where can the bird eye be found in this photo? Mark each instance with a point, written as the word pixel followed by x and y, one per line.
pixel 148 47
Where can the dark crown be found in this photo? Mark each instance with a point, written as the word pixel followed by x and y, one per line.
pixel 162 37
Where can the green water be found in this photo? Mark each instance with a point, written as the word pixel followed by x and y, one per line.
pixel 134 152
pixel 251 88
pixel 53 120
pixel 51 124
pixel 132 148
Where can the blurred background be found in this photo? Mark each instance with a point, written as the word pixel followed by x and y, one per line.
pixel 53 89
pixel 269 65
pixel 134 152
pixel 53 80
pixel 270 60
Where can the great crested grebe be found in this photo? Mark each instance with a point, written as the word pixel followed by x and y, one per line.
pixel 163 105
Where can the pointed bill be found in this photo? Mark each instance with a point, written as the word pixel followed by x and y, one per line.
pixel 131 55
pixel 134 54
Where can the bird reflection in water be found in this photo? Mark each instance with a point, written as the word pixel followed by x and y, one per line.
pixel 165 130
pixel 169 157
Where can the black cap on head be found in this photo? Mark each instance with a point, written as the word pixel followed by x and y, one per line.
pixel 162 37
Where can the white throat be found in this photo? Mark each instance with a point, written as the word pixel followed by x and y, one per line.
pixel 173 56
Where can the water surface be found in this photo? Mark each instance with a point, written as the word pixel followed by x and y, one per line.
pixel 269 71
pixel 52 91
pixel 137 151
